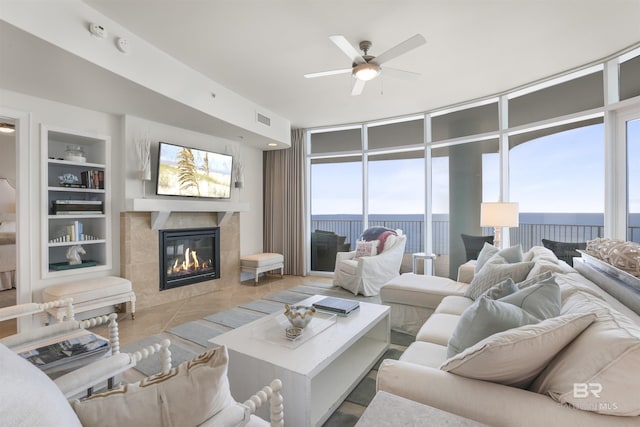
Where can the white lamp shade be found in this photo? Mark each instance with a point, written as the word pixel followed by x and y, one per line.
pixel 499 214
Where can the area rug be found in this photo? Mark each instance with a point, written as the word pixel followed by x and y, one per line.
pixel 192 338
pixel 234 318
pixel 151 365
pixel 197 332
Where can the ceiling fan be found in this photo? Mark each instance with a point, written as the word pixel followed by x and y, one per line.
pixel 366 67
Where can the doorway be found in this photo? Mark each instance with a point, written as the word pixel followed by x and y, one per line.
pixel 8 220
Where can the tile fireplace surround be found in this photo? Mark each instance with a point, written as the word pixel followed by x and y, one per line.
pixel 139 255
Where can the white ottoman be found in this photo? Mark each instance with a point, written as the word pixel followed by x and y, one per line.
pixel 414 297
pixel 261 263
pixel 91 294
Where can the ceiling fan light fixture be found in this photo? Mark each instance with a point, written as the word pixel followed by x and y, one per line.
pixel 366 72
pixel 7 128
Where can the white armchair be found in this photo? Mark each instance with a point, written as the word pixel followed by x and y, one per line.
pixel 365 275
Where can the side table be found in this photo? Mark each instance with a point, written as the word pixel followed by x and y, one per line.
pixel 389 410
pixel 424 257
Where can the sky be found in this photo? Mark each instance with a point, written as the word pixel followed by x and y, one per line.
pixel 562 172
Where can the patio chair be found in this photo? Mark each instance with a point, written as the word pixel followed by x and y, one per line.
pixel 473 244
pixel 565 251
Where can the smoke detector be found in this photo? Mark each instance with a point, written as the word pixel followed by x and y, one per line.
pixel 98 31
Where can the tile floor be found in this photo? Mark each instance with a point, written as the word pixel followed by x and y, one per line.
pixel 152 321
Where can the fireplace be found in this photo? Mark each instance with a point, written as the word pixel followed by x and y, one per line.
pixel 189 256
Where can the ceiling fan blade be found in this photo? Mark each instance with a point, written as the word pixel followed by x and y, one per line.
pixel 400 74
pixel 348 49
pixel 358 85
pixel 328 73
pixel 400 49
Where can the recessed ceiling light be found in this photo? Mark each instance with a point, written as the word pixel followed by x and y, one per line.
pixel 272 144
pixel 7 128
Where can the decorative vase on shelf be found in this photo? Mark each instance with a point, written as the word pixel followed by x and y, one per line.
pixel 75 153
pixel 144 175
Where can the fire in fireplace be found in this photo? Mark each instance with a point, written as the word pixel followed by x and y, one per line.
pixel 189 256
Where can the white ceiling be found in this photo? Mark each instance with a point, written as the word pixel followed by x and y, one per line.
pixel 475 48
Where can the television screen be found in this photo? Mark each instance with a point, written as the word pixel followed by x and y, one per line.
pixel 184 171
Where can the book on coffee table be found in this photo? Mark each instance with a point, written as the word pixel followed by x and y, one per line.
pixel 340 306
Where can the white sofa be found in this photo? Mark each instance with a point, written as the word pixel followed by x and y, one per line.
pixel 602 359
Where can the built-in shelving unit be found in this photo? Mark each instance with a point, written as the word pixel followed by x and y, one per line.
pixel 62 229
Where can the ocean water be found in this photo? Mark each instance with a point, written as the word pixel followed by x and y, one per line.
pixel 564 227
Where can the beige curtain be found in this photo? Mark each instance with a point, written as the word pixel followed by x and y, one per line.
pixel 284 202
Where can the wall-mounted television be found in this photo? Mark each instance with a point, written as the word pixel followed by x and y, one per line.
pixel 191 172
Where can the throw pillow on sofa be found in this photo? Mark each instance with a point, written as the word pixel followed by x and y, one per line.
pixel 606 354
pixel 501 290
pixel 187 395
pixel 544 266
pixel 488 250
pixel 495 271
pixel 541 300
pixel 510 255
pixel 535 279
pixel 508 287
pixel 379 234
pixel 483 318
pixel 516 356
pixel 540 252
pixel 366 248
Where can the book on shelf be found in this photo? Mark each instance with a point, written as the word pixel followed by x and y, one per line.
pixel 79 213
pixel 76 207
pixel 69 350
pixel 93 179
pixel 340 306
pixel 75 231
pixel 77 202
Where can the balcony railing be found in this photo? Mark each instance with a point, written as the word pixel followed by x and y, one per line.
pixel 527 235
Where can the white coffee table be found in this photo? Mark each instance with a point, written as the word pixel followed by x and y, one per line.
pixel 318 374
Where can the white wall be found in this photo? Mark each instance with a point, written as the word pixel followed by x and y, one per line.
pixel 65 24
pixel 251 158
pixel 45 112
pixel 70 117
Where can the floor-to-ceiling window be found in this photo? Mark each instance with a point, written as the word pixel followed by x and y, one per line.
pixel 633 180
pixel 336 195
pixel 556 175
pixel 629 87
pixel 466 139
pixel 543 145
pixel 556 170
pixel 395 190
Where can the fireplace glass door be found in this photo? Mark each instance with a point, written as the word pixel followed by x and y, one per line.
pixel 189 256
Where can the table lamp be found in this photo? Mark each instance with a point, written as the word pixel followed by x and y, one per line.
pixel 498 215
